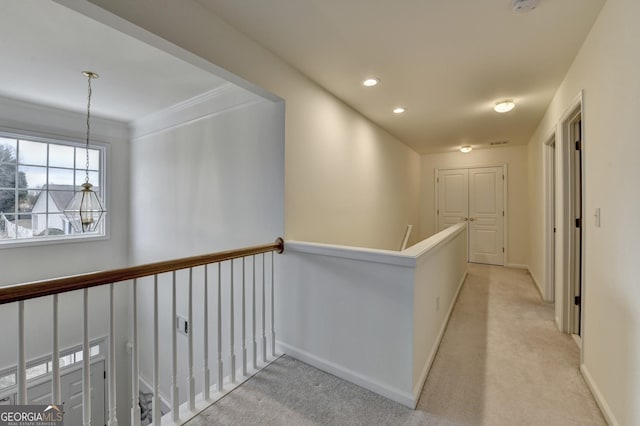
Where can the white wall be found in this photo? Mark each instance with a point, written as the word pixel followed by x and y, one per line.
pixel 607 69
pixel 347 181
pixel 515 158
pixel 206 185
pixel 19 264
pixel 373 317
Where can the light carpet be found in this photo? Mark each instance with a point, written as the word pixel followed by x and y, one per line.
pixel 501 362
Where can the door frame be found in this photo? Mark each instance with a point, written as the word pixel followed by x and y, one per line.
pixel 505 202
pixel 565 219
pixel 549 220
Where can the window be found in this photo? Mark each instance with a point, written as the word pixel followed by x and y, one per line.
pixel 42 368
pixel 37 180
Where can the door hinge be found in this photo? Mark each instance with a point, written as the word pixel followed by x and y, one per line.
pixel 105 374
pixel 502 177
pixel 438 211
pixel 502 213
pixel 578 145
pixel 577 300
pixel 554 229
pixel 503 249
pixel 437 180
pixel 578 223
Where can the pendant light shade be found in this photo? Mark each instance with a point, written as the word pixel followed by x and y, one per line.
pixel 85 210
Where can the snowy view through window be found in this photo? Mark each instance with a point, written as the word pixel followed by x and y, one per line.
pixel 37 181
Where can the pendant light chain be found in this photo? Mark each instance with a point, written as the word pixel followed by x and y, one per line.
pixel 86 179
pixel 85 210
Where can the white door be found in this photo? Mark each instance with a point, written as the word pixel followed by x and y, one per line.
pixel 453 200
pixel 476 195
pixel 71 393
pixel 486 215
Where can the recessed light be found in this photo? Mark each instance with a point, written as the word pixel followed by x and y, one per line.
pixel 399 110
pixel 465 149
pixel 504 106
pixel 370 82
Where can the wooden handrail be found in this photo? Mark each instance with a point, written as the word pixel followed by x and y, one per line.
pixel 18 292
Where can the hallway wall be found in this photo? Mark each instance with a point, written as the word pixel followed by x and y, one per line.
pixel 347 180
pixel 517 213
pixel 607 69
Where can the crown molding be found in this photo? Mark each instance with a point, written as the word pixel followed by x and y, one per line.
pixel 222 99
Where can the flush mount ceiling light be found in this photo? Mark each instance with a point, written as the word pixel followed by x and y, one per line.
pixel 85 209
pixel 465 149
pixel 370 82
pixel 399 110
pixel 504 106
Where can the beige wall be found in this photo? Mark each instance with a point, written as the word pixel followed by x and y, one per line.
pixel 607 69
pixel 347 180
pixel 517 213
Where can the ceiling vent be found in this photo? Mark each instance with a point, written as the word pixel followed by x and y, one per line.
pixel 498 142
pixel 524 6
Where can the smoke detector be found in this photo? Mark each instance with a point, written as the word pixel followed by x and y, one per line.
pixel 524 6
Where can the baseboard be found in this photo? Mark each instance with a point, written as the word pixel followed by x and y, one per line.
pixel 597 395
pixel 516 266
pixel 427 366
pixel 392 393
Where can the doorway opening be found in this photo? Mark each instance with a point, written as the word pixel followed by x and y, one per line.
pixel 576 210
pixel 549 171
pixel 570 238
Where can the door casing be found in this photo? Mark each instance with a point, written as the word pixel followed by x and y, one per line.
pixel 565 220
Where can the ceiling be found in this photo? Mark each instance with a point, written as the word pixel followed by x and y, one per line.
pixel 44 47
pixel 447 62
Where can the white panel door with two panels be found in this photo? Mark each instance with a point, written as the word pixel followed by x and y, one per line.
pixel 475 195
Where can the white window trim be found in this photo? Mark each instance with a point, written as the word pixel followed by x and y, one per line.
pixel 69 141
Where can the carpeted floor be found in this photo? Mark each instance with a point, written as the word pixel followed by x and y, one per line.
pixel 501 362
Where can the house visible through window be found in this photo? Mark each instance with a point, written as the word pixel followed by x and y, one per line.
pixel 37 180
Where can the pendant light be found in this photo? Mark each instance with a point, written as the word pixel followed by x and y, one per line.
pixel 85 210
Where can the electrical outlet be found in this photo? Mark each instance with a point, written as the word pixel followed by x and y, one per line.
pixel 183 325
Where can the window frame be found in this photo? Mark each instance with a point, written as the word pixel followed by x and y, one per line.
pixel 75 142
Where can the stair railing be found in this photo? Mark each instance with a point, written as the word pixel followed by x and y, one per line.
pixel 54 287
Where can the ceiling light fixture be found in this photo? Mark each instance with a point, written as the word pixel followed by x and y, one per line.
pixel 399 110
pixel 370 82
pixel 85 209
pixel 465 149
pixel 504 106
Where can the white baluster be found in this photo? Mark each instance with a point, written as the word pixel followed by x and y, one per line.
pixel 220 365
pixel 55 356
pixel 135 361
pixel 264 314
pixel 190 379
pixel 86 366
pixel 175 392
pixel 22 359
pixel 156 405
pixel 273 308
pixel 244 327
pixel 232 355
pixel 113 419
pixel 205 371
pixel 253 318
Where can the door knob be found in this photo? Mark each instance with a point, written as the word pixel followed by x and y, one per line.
pixel 471 219
pixel 465 219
